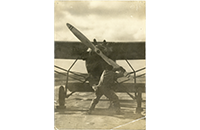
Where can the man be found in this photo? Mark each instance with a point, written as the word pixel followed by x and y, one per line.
pixel 106 81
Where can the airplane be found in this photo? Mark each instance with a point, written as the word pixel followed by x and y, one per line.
pixel 96 55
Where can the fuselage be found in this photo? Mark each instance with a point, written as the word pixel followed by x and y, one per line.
pixel 95 64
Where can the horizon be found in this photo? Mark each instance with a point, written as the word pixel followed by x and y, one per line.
pixel 81 68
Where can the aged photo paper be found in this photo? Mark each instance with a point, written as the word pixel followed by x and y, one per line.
pixel 99 65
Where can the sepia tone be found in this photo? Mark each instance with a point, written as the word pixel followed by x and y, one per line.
pixel 88 36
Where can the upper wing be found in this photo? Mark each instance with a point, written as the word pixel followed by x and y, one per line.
pixel 121 50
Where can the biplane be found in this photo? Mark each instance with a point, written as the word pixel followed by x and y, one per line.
pixel 96 55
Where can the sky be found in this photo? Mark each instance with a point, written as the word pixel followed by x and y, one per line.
pixel 111 20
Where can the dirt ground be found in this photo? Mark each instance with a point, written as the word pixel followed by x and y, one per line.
pixel 75 116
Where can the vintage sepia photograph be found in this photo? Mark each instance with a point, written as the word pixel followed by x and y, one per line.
pixel 99 65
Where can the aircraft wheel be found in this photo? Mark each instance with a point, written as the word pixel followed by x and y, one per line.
pixel 61 96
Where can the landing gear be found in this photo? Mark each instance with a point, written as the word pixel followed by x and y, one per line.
pixel 62 90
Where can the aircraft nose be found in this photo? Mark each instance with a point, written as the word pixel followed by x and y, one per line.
pixel 70 26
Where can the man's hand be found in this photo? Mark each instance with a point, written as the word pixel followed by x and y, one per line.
pixel 94 87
